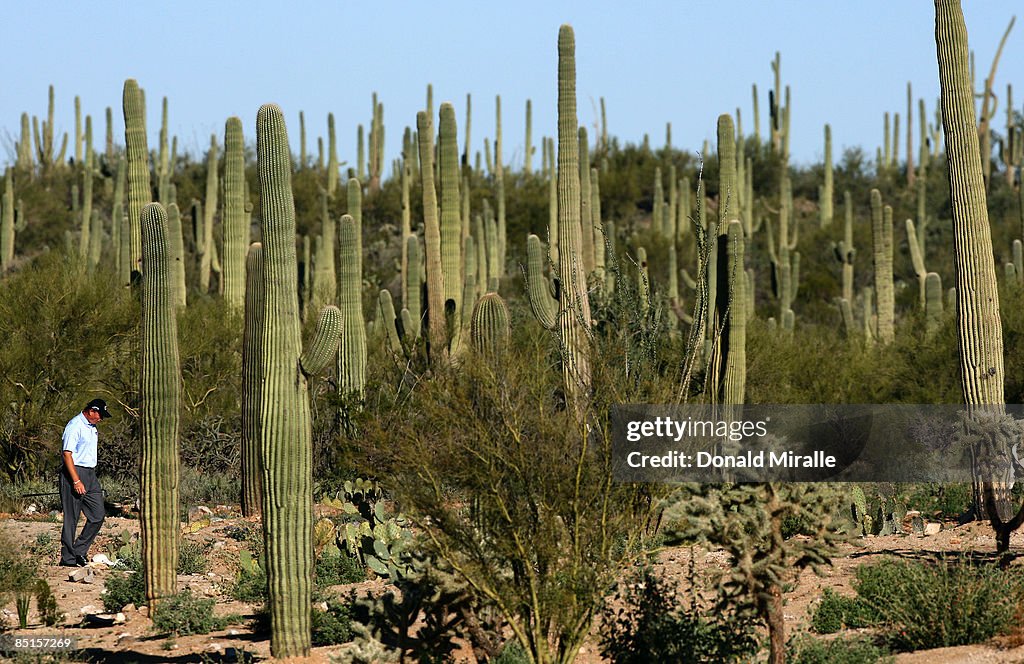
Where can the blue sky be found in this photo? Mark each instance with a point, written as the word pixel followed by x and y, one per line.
pixel 653 62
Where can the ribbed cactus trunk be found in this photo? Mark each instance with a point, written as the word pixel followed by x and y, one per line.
pixel 235 225
pixel 489 328
pixel 881 245
pixel 734 335
pixel 285 425
pixel 574 303
pixel 437 337
pixel 159 411
pixel 252 341
pixel 206 258
pixel 7 232
pixel 137 158
pixel 979 329
pixel 451 225
pixel 352 353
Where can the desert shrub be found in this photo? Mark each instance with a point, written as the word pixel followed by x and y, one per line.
pixel 947 602
pixel 808 650
pixel 334 625
pixel 835 611
pixel 193 557
pixel 335 567
pixel 123 588
pixel 655 624
pixel 184 614
pixel 250 585
pixel 511 653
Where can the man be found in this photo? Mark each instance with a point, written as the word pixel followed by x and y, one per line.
pixel 79 488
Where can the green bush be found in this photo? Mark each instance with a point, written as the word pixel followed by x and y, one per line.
pixel 250 586
pixel 655 625
pixel 184 614
pixel 512 653
pixel 335 567
pixel 808 650
pixel 123 588
pixel 193 557
pixel 836 611
pixel 334 625
pixel 940 603
pixel 46 604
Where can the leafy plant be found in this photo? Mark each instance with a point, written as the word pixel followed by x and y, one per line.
pixel 835 611
pixel 193 557
pixel 184 614
pixel 334 567
pixel 808 650
pixel 46 604
pixel 334 625
pixel 123 588
pixel 655 624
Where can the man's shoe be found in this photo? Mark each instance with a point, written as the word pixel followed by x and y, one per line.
pixel 81 561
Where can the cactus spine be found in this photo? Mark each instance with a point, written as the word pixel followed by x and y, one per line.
pixel 235 225
pixel 285 425
pixel 159 411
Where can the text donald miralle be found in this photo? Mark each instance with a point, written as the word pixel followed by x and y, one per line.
pixel 667 429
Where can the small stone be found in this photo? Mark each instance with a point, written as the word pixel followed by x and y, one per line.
pixel 124 637
pixel 219 544
pixel 128 608
pixel 932 528
pixel 321 605
pixel 199 512
pixel 31 509
pixel 234 632
pixel 81 575
pixel 215 647
pixel 119 618
pixel 143 611
pixel 88 608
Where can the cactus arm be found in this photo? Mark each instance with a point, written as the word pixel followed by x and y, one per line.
pixel 320 350
pixel 542 303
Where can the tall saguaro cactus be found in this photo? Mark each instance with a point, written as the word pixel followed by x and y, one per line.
pixel 574 302
pixel 286 427
pixel 979 329
pixel 881 244
pixel 159 411
pixel 137 157
pixel 252 340
pixel 235 225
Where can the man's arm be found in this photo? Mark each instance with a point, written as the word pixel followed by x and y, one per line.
pixel 69 464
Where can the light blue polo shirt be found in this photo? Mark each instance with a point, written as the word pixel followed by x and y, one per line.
pixel 81 439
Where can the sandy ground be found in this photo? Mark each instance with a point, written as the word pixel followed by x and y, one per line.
pixel 135 641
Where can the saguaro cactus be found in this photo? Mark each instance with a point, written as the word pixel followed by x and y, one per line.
pixel 236 226
pixel 574 303
pixel 252 340
pixel 490 325
pixel 137 157
pixel 881 244
pixel 159 411
pixel 286 428
pixel 979 329
pixel 352 354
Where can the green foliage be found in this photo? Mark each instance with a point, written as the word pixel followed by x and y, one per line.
pixel 655 624
pixel 835 612
pixel 334 625
pixel 184 613
pixel 123 588
pixel 334 567
pixel 945 602
pixel 251 583
pixel 193 557
pixel 512 653
pixel 859 650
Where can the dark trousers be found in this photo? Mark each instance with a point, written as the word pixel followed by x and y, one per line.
pixel 91 502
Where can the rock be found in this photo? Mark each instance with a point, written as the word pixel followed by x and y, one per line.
pixel 932 528
pixel 128 608
pixel 104 619
pixel 321 605
pixel 88 608
pixel 215 647
pixel 234 632
pixel 81 575
pixel 199 512
pixel 219 544
pixel 143 611
pixel 31 509
pixel 124 637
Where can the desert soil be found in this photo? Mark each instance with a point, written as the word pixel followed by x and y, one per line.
pixel 135 640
